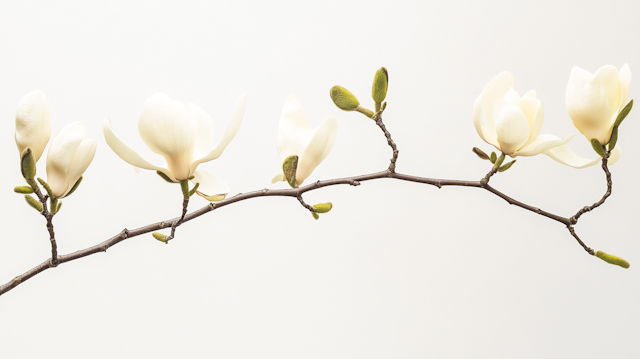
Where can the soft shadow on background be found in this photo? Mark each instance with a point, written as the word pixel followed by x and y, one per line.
pixel 396 269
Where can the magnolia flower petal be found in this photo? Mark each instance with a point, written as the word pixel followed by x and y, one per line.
pixel 625 81
pixel 493 91
pixel 79 163
pixel 205 132
pixel 543 143
pixel 212 187
pixel 168 128
pixel 294 125
pixel 61 152
pixel 511 127
pixel 321 143
pixel 480 128
pixel 277 178
pixel 229 133
pixel 33 127
pixel 126 153
pixel 565 155
pixel 616 153
pixel 536 125
pixel 512 97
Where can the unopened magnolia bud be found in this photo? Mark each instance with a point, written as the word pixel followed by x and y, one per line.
pixel 23 189
pixel 493 157
pixel 506 167
pixel 380 83
pixel 75 187
pixel 28 164
pixel 480 153
pixel 164 177
pixel 289 167
pixel 597 146
pixel 33 203
pixel 322 207
pixel 344 99
pixel 612 259
pixel 315 215
pixel 159 236
pixel 46 187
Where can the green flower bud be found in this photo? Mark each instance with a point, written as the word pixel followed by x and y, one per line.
pixel 23 189
pixel 380 83
pixel 33 203
pixel 159 236
pixel 28 164
pixel 480 153
pixel 289 167
pixel 506 167
pixel 75 187
pixel 322 207
pixel 597 146
pixel 344 99
pixel 612 259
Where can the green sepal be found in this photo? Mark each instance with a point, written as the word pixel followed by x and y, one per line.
pixel 380 84
pixel 613 139
pixel 480 153
pixel 289 167
pixel 33 203
pixel 164 177
pixel 75 187
pixel 184 185
pixel 597 146
pixel 506 167
pixel 384 106
pixel 46 187
pixel 193 190
pixel 23 189
pixel 344 99
pixel 493 157
pixel 621 116
pixel 612 259
pixel 499 161
pixel 53 203
pixel 28 164
pixel 315 215
pixel 57 209
pixel 322 207
pixel 159 236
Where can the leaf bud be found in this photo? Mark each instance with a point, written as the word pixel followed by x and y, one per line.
pixel 289 168
pixel 621 116
pixel 612 259
pixel 480 153
pixel 159 236
pixel 164 177
pixel 499 161
pixel 614 139
pixel 380 83
pixel 46 187
pixel 344 99
pixel 493 157
pixel 28 164
pixel 506 167
pixel 315 215
pixel 23 189
pixel 322 207
pixel 33 203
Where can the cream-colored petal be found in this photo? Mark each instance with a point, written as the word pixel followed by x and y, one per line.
pixel 531 94
pixel 512 97
pixel 33 127
pixel 205 133
pixel 322 140
pixel 511 127
pixel 493 91
pixel 615 155
pixel 277 178
pixel 229 133
pixel 566 156
pixel 126 153
pixel 482 130
pixel 79 163
pixel 536 125
pixel 212 187
pixel 61 152
pixel 625 81
pixel 294 125
pixel 168 128
pixel 543 143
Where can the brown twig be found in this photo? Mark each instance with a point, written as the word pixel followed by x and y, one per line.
pixel 605 168
pixel 49 217
pixel 394 158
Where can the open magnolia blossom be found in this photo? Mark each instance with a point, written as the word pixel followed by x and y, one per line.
pixel 33 128
pixel 595 100
pixel 512 123
pixel 69 155
pixel 297 138
pixel 184 136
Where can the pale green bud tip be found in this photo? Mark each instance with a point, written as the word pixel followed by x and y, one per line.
pixel 344 99
pixel 480 153
pixel 159 236
pixel 315 215
pixel 322 207
pixel 380 83
pixel 597 146
pixel 612 259
pixel 289 168
pixel 23 189
pixel 28 164
pixel 33 203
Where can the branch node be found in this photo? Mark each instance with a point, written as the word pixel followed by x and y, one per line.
pixel 354 183
pixel 265 191
pixel 124 234
pixel 212 206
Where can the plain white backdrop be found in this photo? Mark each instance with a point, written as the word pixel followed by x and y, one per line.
pixel 396 270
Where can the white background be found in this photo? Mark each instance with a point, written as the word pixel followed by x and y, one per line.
pixel 396 270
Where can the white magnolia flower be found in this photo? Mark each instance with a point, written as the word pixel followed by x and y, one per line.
pixel 184 136
pixel 33 128
pixel 297 138
pixel 512 123
pixel 69 155
pixel 595 100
